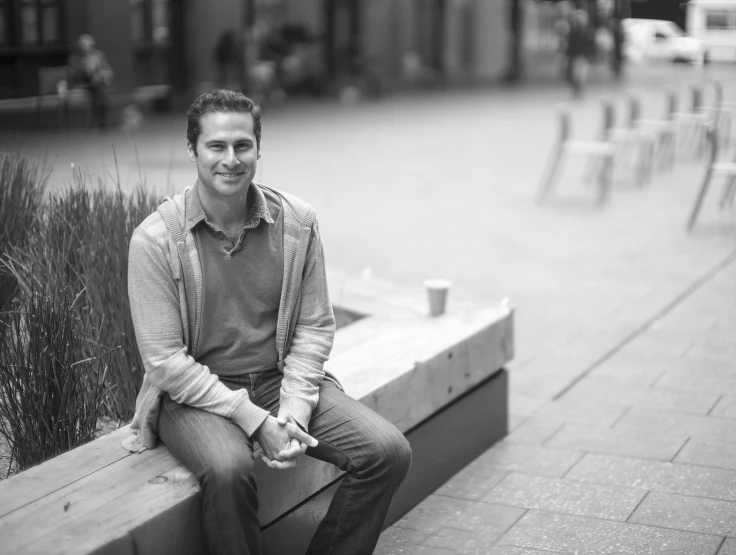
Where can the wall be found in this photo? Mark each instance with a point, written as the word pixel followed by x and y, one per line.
pixel 113 38
pixel 492 39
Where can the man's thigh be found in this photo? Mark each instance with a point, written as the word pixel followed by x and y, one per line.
pixel 201 440
pixel 348 431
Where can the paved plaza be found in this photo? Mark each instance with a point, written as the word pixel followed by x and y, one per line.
pixel 623 426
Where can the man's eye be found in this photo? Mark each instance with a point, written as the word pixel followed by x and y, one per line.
pixel 216 147
pixel 243 146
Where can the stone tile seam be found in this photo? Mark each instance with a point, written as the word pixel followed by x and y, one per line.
pixel 627 523
pixel 638 505
pixel 723 542
pixel 679 299
pixel 684 444
pixel 522 515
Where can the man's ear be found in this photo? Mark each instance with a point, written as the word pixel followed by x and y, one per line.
pixel 259 154
pixel 191 152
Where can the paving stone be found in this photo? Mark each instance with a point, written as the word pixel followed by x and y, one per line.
pixel 589 412
pixel 396 540
pixel 534 431
pixel 525 405
pixel 626 443
pixel 728 547
pixel 725 408
pixel 714 483
pixel 614 392
pixel 670 424
pixel 476 542
pixel 529 459
pixel 437 512
pixel 708 453
pixel 694 514
pixel 566 496
pixel 590 536
pixel 633 368
pixel 710 377
pixel 511 550
pixel 472 482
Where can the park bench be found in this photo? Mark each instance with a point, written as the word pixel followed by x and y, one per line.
pixel 440 380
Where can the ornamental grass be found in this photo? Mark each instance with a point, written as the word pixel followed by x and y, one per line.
pixel 75 247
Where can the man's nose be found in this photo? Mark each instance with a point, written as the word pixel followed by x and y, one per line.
pixel 230 158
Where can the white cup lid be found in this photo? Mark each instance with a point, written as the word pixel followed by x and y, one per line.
pixel 437 283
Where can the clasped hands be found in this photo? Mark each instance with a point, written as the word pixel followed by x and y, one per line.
pixel 283 442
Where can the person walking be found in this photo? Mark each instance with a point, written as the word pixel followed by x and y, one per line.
pixel 580 49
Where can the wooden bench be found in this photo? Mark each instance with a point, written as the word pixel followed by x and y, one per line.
pixel 439 380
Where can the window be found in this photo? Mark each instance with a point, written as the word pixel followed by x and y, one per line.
pixel 150 21
pixel 4 31
pixel 718 20
pixel 39 22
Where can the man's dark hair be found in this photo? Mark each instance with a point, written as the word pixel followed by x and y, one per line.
pixel 221 100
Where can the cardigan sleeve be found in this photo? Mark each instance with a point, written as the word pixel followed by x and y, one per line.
pixel 155 307
pixel 312 340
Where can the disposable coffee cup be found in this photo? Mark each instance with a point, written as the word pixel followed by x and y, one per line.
pixel 437 290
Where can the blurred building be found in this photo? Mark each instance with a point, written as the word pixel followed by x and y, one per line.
pixel 153 42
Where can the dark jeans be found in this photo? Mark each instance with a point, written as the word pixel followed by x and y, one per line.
pixel 372 452
pixel 100 103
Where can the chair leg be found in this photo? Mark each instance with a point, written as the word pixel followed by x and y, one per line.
pixel 605 180
pixel 550 173
pixel 700 198
pixel 728 192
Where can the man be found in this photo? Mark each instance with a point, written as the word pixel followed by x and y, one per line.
pixel 234 323
pixel 580 50
pixel 89 67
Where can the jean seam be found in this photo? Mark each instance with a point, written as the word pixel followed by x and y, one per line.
pixel 340 520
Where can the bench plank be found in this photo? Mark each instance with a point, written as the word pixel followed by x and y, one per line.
pixel 82 498
pixel 44 479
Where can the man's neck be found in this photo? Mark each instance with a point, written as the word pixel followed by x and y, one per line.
pixel 227 212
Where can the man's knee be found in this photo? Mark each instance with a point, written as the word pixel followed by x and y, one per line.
pixel 229 471
pixel 393 453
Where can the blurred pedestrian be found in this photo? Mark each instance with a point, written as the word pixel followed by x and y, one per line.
pixel 580 49
pixel 89 67
pixel 229 58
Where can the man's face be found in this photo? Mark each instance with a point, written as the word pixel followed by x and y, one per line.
pixel 226 153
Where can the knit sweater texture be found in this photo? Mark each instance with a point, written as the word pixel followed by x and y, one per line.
pixel 165 289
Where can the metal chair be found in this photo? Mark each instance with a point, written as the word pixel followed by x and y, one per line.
pixel 715 168
pixel 691 127
pixel 599 150
pixel 634 143
pixel 664 129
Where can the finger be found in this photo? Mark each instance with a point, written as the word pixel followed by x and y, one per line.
pixel 282 420
pixel 296 432
pixel 294 450
pixel 282 465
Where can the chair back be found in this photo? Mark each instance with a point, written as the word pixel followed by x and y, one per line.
pixel 696 95
pixel 563 114
pixel 671 103
pixel 634 109
pixel 717 93
pixel 609 118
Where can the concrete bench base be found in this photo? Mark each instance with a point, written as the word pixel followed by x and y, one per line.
pixel 440 381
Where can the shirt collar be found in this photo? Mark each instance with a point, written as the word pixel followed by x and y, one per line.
pixel 258 208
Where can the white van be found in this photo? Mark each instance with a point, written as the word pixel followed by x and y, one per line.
pixel 652 40
pixel 713 22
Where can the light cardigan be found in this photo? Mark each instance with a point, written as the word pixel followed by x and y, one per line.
pixel 165 290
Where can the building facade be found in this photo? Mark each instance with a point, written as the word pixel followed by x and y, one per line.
pixel 153 42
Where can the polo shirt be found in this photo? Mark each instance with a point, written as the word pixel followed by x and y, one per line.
pixel 242 286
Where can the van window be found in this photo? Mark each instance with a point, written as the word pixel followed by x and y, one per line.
pixel 718 20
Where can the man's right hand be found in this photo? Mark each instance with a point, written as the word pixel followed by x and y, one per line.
pixel 283 442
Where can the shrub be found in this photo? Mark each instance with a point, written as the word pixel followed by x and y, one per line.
pixel 80 243
pixel 52 370
pixel 22 185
